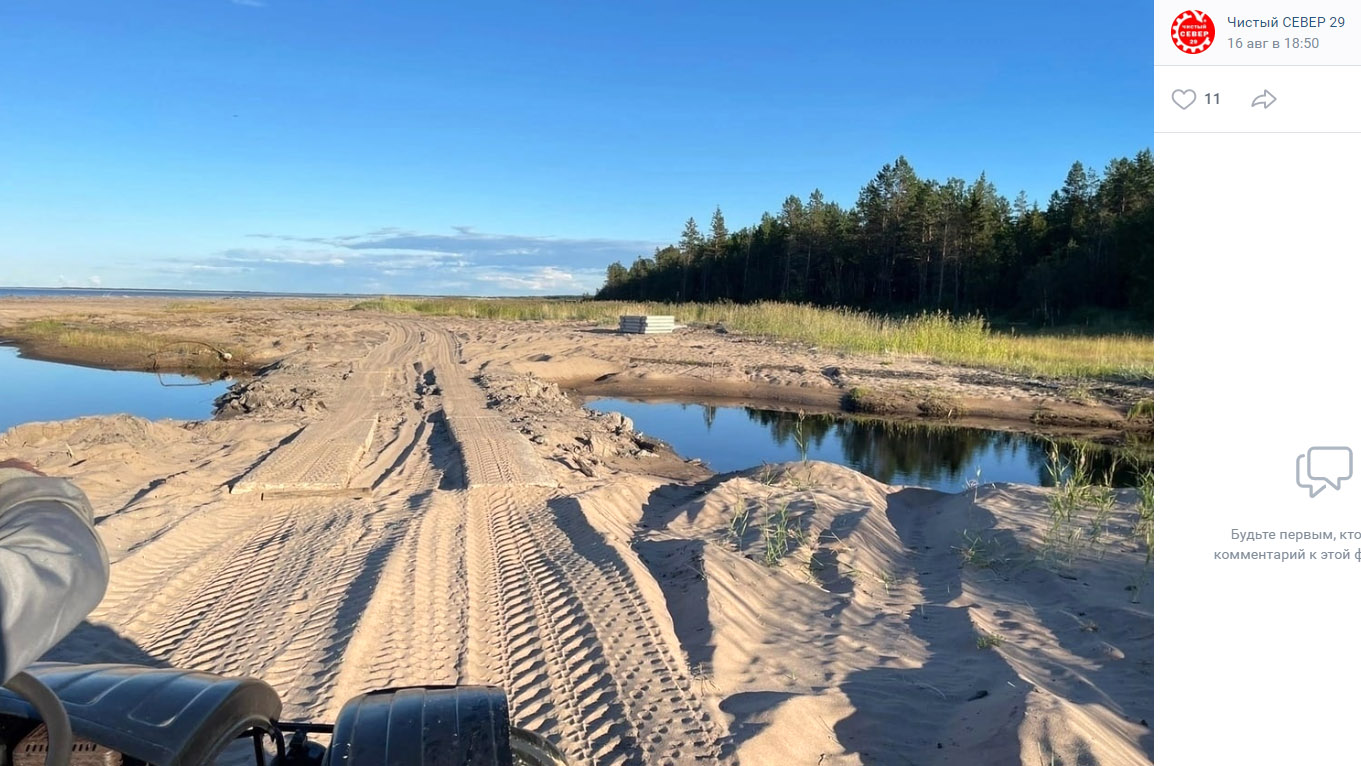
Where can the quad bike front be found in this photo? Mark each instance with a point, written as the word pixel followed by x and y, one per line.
pixel 60 713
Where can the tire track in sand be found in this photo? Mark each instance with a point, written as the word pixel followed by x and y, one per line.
pixel 414 630
pixel 269 589
pixel 411 629
pixel 574 643
pixel 571 638
pixel 277 599
pixel 536 640
pixel 672 725
pixel 326 598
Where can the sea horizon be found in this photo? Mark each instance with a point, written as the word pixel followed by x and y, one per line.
pixel 143 292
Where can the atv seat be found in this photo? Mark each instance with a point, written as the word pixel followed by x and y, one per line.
pixel 163 716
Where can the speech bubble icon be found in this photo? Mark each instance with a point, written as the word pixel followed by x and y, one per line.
pixel 1330 465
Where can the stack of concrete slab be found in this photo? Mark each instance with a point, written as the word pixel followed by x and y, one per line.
pixel 649 324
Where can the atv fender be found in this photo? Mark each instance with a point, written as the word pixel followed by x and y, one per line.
pixel 423 726
pixel 163 716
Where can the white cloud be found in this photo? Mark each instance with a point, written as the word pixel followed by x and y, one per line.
pixel 395 260
pixel 95 281
pixel 217 269
pixel 285 255
pixel 542 280
pixel 466 242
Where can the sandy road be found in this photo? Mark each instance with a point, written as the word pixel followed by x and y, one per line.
pixel 409 535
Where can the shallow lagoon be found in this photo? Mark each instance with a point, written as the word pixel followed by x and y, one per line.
pixel 943 457
pixel 32 390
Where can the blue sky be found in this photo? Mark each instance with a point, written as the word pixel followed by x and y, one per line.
pixel 441 146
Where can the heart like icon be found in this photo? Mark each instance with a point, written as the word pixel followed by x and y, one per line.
pixel 1184 98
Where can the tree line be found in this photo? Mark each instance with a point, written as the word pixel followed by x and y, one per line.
pixel 910 243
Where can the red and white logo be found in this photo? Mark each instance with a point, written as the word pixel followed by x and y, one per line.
pixel 1193 31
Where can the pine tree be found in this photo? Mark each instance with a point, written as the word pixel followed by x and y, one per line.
pixel 691 244
pixel 718 230
pixel 713 250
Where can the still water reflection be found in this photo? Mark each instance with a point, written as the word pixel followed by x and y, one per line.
pixel 31 390
pixel 938 456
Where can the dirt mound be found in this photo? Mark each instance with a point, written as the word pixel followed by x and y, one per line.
pixel 823 609
pixel 124 430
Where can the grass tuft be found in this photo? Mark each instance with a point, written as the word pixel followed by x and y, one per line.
pixel 978 552
pixel 989 640
pixel 940 405
pixel 1082 509
pixel 1143 528
pixel 1081 506
pixel 1142 410
pixel 860 399
pixel 737 525
pixel 780 534
pixel 889 579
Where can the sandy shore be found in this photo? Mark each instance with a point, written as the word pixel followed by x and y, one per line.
pixel 399 500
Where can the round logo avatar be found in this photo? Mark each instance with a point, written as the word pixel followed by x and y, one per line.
pixel 1193 31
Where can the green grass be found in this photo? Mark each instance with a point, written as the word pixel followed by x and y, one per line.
pixel 980 553
pixel 80 335
pixel 930 402
pixel 1143 529
pixel 1082 509
pixel 889 579
pixel 1079 392
pixel 935 404
pixel 200 307
pixel 940 336
pixel 1142 410
pixel 989 640
pixel 516 309
pixel 737 525
pixel 780 534
pixel 860 399
pixel 158 350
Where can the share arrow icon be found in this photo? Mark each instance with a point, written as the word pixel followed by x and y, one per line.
pixel 1265 100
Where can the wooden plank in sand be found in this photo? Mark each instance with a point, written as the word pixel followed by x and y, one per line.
pixel 492 453
pixel 321 460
